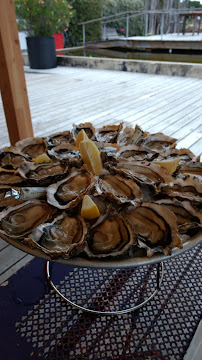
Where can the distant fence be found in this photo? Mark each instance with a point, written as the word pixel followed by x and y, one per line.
pixel 176 17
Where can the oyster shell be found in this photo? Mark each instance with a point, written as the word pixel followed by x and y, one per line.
pixel 108 133
pixel 155 226
pixel 129 136
pixel 10 158
pixel 192 168
pixel 10 177
pixel 7 201
pixel 185 154
pixel 63 237
pixel 111 235
pixel 189 219
pixel 118 188
pixel 59 138
pixel 136 153
pixel 87 127
pixel 18 221
pixel 68 153
pixel 32 146
pixel 146 172
pixel 43 173
pixel 159 142
pixel 68 192
pixel 188 188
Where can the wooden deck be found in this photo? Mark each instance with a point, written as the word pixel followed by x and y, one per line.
pixel 62 96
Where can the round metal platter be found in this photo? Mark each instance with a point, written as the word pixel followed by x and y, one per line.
pixel 111 263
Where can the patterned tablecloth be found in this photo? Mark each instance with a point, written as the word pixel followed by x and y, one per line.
pixel 36 324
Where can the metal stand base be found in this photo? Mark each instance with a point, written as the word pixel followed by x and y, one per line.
pixel 159 279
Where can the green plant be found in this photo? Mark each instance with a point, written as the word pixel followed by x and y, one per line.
pixel 43 17
pixel 85 10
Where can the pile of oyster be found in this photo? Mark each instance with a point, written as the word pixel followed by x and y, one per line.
pixel 142 204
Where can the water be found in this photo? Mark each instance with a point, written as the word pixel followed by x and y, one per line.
pixel 118 53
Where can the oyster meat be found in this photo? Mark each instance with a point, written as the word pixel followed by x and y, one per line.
pixel 155 226
pixel 183 189
pixel 18 221
pixel 65 236
pixel 118 188
pixel 32 147
pixel 68 153
pixel 110 235
pixel 108 133
pixel 68 192
pixel 87 127
pixel 59 138
pixel 10 158
pixel 41 173
pixel 159 142
pixel 10 177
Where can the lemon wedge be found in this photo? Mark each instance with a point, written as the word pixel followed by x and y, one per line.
pixel 89 209
pixel 170 165
pixel 91 156
pixel 80 137
pixel 43 158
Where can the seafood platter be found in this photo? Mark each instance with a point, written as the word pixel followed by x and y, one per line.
pixel 111 196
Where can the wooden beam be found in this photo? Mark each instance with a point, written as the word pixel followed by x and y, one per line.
pixel 12 79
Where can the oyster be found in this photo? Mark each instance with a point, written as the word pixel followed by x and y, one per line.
pixel 185 154
pixel 59 138
pixel 155 226
pixel 129 136
pixel 118 188
pixel 10 177
pixel 10 158
pixel 63 237
pixel 188 188
pixel 7 201
pixel 87 127
pixel 67 152
pixel 43 173
pixel 68 192
pixel 189 219
pixel 159 142
pixel 32 146
pixel 111 235
pixel 108 133
pixel 18 221
pixel 146 172
pixel 136 153
pixel 192 168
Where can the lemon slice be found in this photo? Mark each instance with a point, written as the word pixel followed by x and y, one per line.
pixel 80 137
pixel 170 165
pixel 89 209
pixel 91 156
pixel 43 158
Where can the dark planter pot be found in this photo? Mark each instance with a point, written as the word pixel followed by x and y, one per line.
pixel 41 52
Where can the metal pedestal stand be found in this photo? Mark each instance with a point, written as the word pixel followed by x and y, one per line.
pixel 159 279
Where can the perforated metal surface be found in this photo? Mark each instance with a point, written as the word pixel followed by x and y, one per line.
pixel 162 329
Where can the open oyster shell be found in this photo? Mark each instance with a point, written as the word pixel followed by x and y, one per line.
pixel 67 193
pixel 10 158
pixel 68 153
pixel 59 138
pixel 87 127
pixel 185 155
pixel 159 142
pixel 119 188
pixel 43 173
pixel 146 172
pixel 193 169
pixel 32 146
pixel 10 177
pixel 155 226
pixel 189 219
pixel 17 222
pixel 65 236
pixel 108 133
pixel 188 188
pixel 7 201
pixel 135 152
pixel 128 135
pixel 111 235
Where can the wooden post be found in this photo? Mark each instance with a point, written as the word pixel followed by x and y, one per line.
pixel 12 79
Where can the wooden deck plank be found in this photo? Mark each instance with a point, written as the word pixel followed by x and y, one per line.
pixel 158 103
